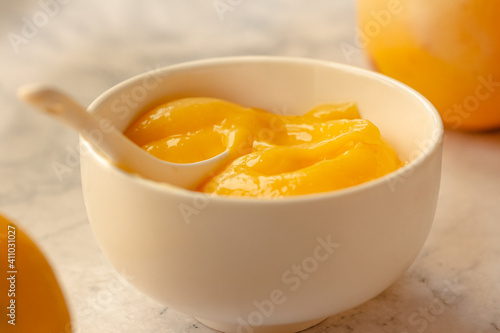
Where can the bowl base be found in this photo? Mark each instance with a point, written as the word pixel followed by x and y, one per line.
pixel 242 328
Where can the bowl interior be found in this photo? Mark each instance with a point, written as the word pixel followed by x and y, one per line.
pixel 286 86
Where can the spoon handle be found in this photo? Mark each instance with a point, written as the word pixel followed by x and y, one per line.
pixel 61 106
pixel 95 129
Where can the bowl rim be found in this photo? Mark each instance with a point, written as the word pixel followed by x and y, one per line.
pixel 436 140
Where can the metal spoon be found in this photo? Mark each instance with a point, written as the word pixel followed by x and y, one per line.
pixel 116 146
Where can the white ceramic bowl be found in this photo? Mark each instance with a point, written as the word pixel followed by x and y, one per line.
pixel 254 265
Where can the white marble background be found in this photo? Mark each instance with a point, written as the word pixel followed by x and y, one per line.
pixel 88 46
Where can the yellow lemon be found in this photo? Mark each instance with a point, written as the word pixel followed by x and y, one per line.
pixel 30 297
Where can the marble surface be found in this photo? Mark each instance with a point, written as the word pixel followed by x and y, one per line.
pixel 88 46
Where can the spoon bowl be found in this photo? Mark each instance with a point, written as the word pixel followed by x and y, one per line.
pixel 117 147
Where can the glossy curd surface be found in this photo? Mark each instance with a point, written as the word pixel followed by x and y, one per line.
pixel 328 148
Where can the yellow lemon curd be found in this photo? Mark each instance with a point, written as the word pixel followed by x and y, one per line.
pixel 328 148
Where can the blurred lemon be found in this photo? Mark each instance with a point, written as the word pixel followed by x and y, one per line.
pixel 448 50
pixel 29 293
